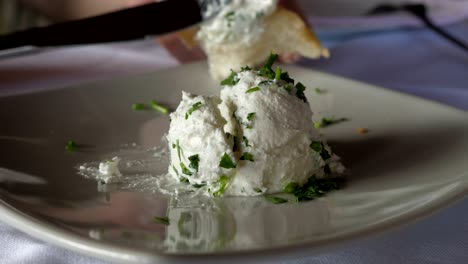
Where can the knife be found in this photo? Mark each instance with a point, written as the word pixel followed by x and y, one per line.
pixel 153 19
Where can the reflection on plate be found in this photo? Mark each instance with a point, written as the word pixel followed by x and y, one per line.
pixel 408 165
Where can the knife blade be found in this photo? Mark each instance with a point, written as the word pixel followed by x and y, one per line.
pixel 134 23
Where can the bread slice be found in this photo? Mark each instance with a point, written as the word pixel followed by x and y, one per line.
pixel 285 32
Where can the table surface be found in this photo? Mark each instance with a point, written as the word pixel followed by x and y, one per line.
pixel 414 61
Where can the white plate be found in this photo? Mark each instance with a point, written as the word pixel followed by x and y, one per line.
pixel 410 164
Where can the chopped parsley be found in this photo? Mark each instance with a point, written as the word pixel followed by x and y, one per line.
pixel 184 180
pixel 328 121
pixel 192 109
pixel 71 146
pixel 158 107
pixel 230 14
pixel 194 160
pixel 253 89
pixel 246 141
pixel 230 17
pixel 185 170
pixel 257 190
pixel 178 150
pixel 320 148
pixel 278 73
pixel 245 68
pixel 231 80
pixel 161 220
pixel 266 70
pixel 250 116
pixel 275 199
pixel 313 188
pixel 300 88
pixel 223 181
pixel 247 156
pixel 175 170
pixel 226 162
pixel 199 185
pixel 138 106
pixel 285 77
pixel 319 91
pixel 265 82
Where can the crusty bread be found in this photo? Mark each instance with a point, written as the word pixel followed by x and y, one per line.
pixel 285 32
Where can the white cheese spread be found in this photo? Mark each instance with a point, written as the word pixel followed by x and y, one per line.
pixel 239 21
pixel 253 140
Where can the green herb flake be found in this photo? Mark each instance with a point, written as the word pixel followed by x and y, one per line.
pixel 184 180
pixel 285 77
pixel 250 116
pixel 320 91
pixel 313 188
pixel 247 156
pixel 223 182
pixel 161 220
pixel 246 141
pixel 193 108
pixel 278 73
pixel 317 146
pixel 199 185
pixel 173 145
pixel 300 88
pixel 291 187
pixel 185 170
pixel 229 15
pixel 253 89
pixel 175 170
pixel 230 18
pixel 266 70
pixel 257 190
pixel 226 162
pixel 231 80
pixel 194 161
pixel 245 68
pixel 178 150
pixel 159 108
pixel 320 148
pixel 265 82
pixel 71 146
pixel 138 106
pixel 275 199
pixel 328 121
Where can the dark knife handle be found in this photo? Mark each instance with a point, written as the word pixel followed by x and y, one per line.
pixel 134 23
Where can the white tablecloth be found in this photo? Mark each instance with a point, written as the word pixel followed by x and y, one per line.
pixel 414 61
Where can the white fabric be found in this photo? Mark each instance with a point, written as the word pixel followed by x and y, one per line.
pixel 417 62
